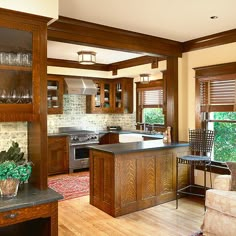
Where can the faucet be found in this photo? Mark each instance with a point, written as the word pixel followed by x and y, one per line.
pixel 144 127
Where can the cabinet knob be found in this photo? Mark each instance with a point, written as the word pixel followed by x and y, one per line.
pixel 11 216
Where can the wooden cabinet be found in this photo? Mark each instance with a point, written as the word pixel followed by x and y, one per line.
pixel 21 67
pixel 109 138
pixel 123 95
pixel 23 97
pixel 55 90
pixel 127 182
pixel 102 101
pixel 58 155
pixel 113 96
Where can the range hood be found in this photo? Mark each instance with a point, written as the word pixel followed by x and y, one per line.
pixel 80 86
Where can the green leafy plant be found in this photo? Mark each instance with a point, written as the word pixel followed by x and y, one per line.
pixel 9 169
pixel 13 164
pixel 13 154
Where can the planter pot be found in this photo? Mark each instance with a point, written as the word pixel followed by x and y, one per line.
pixel 9 187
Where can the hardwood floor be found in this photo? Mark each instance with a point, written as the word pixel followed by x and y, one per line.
pixel 77 217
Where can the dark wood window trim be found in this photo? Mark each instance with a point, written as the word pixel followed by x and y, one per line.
pixel 213 72
pixel 152 85
pixel 220 71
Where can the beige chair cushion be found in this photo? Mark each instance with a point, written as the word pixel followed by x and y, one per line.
pixel 218 224
pixel 222 201
pixel 222 182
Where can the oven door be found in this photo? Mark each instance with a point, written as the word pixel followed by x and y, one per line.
pixel 79 156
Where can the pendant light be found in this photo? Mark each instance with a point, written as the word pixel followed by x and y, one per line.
pixel 144 78
pixel 86 57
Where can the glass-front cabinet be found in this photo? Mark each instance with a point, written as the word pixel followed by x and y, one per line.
pixel 19 87
pixel 118 88
pixel 113 96
pixel 55 90
pixel 102 101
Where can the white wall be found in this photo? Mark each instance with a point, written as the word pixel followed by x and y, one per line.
pixel 210 56
pixel 48 8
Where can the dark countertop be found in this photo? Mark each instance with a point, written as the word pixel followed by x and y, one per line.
pixel 29 196
pixel 144 134
pixel 121 148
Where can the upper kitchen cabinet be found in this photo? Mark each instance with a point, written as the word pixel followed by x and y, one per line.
pixel 113 96
pixel 55 89
pixel 123 95
pixel 21 66
pixel 101 102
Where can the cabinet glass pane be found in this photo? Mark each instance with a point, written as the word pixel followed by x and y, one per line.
pixel 53 96
pixel 15 66
pixel 107 94
pixel 118 95
pixel 98 102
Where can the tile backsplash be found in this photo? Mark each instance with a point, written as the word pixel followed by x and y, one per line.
pixel 13 131
pixel 74 114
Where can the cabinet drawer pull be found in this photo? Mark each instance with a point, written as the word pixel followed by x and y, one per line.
pixel 11 216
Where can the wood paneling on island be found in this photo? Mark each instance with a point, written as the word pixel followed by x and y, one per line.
pixel 127 182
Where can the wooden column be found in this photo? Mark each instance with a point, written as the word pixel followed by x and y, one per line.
pixel 170 77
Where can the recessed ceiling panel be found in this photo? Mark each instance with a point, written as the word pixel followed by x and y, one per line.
pixel 66 51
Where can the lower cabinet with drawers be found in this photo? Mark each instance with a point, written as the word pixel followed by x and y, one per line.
pixel 58 155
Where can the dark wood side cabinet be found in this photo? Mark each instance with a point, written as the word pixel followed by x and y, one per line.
pixel 128 182
pixel 23 97
pixel 32 212
pixel 113 96
pixel 58 155
pixel 55 91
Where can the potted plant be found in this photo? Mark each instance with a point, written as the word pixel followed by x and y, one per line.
pixel 14 169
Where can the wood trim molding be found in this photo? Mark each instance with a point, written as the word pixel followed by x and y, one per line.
pixel 215 70
pixel 26 17
pixel 210 41
pixel 81 32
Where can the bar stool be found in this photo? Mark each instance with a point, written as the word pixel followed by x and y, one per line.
pixel 200 143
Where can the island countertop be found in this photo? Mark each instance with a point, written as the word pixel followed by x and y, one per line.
pixel 120 148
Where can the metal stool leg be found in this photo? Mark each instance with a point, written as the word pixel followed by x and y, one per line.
pixel 177 173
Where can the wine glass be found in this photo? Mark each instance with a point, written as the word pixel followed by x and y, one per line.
pixel 3 96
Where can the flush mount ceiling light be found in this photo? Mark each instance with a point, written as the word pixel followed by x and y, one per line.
pixel 87 57
pixel 144 78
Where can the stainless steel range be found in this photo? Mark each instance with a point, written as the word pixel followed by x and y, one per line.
pixel 78 146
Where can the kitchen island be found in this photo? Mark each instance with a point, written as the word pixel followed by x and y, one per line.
pixel 128 177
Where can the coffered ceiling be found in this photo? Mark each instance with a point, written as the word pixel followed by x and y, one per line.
pixel 181 20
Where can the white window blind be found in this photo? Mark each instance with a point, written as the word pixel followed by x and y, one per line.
pixel 218 95
pixel 150 98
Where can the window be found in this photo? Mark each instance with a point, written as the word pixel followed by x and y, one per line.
pixel 150 103
pixel 216 107
pixel 224 125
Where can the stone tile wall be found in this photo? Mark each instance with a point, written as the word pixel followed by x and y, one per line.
pixel 13 131
pixel 75 115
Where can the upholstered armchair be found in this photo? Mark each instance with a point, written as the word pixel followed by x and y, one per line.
pixel 220 215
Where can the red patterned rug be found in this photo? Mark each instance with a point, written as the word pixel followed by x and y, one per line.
pixel 70 185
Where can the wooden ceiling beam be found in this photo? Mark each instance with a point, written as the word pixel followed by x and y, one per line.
pixel 75 64
pixel 210 41
pixel 79 32
pixel 114 67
